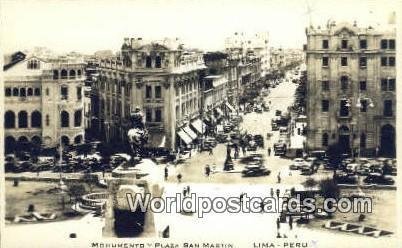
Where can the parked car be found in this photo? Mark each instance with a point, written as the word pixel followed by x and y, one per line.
pixel 23 166
pixel 252 146
pixel 274 126
pixel 222 138
pixel 352 168
pixel 377 178
pixel 345 178
pixel 43 166
pixel 363 170
pixel 297 163
pixel 255 171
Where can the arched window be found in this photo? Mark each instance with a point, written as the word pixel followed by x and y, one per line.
pixel 158 62
pixel 78 139
pixel 22 119
pixel 148 62
pixel 47 120
pixel 63 74
pixel 36 140
pixel 7 92
pixel 36 119
pixel 363 140
pixel 325 139
pixel 55 74
pixel 79 73
pixel 15 92
pixel 77 118
pixel 65 119
pixel 37 91
pixel 65 141
pixel 9 144
pixel 23 92
pixel 29 92
pixel 9 119
pixel 72 74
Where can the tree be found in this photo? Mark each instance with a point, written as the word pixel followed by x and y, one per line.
pixel 76 191
pixel 329 188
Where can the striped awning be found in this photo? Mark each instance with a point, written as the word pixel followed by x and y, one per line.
pixel 230 107
pixel 185 137
pixel 199 126
pixel 190 132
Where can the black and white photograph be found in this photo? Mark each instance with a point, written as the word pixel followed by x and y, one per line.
pixel 199 124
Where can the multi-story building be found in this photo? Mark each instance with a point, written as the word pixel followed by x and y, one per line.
pixel 257 43
pixel 162 78
pixel 351 88
pixel 43 100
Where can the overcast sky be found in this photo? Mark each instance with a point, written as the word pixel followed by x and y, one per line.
pixel 91 25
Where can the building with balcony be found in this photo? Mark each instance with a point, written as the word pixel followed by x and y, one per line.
pixel 351 88
pixel 162 79
pixel 43 100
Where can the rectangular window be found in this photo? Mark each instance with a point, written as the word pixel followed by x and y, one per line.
pixel 384 84
pixel 325 44
pixel 158 92
pixel 325 85
pixel 324 61
pixel 324 105
pixel 148 115
pixel 384 44
pixel 344 108
pixel 148 92
pixel 388 108
pixel 363 61
pixel 344 44
pixel 158 115
pixel 64 93
pixel 79 93
pixel 363 107
pixel 363 85
pixel 363 44
pixel 391 44
pixel 383 61
pixel 391 84
pixel 344 61
pixel 391 61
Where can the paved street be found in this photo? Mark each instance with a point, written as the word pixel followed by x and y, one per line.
pixel 192 169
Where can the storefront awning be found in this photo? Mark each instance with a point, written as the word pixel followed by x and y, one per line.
pixel 156 140
pixel 199 126
pixel 190 132
pixel 183 136
pixel 230 107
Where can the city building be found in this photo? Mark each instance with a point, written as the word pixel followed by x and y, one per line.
pixel 162 78
pixel 43 100
pixel 257 43
pixel 351 88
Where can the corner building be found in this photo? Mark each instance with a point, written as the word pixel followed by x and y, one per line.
pixel 351 85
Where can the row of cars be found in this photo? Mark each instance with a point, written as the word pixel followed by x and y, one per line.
pixel 376 171
pixel 69 163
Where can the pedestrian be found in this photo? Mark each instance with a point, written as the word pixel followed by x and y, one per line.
pixel 272 192
pixel 290 222
pixel 37 173
pixel 278 191
pixel 279 178
pixel 278 223
pixel 179 176
pixel 241 196
pixel 269 151
pixel 166 173
pixel 207 170
pixel 103 172
pixel 262 206
pixel 188 189
pixel 189 154
pixel 211 152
